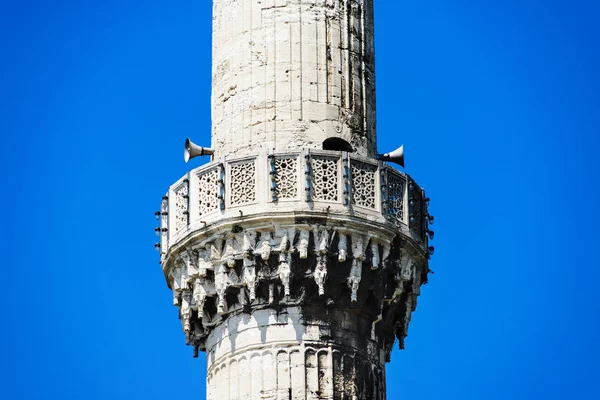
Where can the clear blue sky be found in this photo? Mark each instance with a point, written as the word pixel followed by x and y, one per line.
pixel 496 102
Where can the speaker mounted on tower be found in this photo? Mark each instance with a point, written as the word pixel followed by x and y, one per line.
pixel 396 156
pixel 192 150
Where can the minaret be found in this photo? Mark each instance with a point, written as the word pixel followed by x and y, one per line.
pixel 296 254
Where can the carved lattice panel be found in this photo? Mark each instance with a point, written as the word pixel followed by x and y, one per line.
pixel 208 191
pixel 181 207
pixel 363 184
pixel 395 196
pixel 325 178
pixel 243 182
pixel 286 177
pixel 415 210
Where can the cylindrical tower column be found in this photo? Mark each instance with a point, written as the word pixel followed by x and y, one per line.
pixel 295 256
pixel 281 355
pixel 291 74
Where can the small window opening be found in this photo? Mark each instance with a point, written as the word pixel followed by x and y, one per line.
pixel 337 144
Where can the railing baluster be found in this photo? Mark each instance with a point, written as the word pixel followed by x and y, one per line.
pixel 307 175
pixel 383 181
pixel 273 176
pixel 347 179
pixel 221 181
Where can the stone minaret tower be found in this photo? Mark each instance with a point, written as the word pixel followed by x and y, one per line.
pixel 295 255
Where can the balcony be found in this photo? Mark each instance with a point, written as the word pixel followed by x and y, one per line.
pixel 331 183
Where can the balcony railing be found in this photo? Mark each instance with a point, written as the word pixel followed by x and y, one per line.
pixel 331 181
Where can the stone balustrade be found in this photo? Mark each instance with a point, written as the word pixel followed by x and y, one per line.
pixel 331 182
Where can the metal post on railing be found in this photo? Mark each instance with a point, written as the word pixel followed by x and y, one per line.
pixel 186 182
pixel 383 180
pixel 272 176
pixel 307 175
pixel 347 171
pixel 221 181
pixel 162 216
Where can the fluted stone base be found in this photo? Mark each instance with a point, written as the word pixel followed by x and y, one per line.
pixel 296 353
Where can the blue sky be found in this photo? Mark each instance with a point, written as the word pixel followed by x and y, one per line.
pixel 496 102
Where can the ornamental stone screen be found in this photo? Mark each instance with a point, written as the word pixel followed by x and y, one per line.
pixel 296 255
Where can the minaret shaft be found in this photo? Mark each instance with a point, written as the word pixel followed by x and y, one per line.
pixel 282 356
pixel 289 74
pixel 295 256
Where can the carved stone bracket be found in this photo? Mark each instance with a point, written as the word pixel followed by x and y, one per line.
pixel 296 264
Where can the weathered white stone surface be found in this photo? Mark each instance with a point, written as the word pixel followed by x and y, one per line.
pixel 314 181
pixel 334 300
pixel 278 355
pixel 288 74
pixel 296 268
